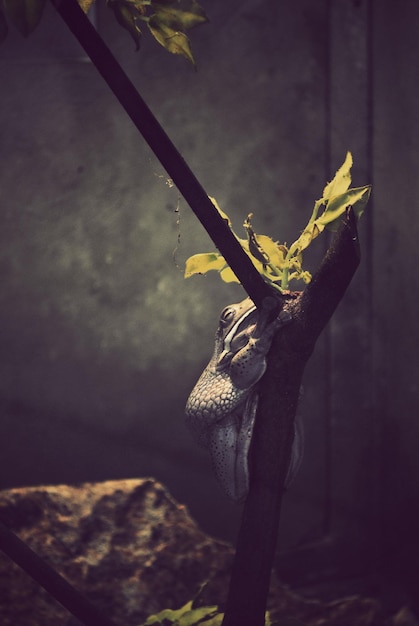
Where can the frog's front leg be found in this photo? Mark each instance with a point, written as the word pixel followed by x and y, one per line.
pixel 229 444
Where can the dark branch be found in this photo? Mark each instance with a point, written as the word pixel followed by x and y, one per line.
pixel 50 580
pixel 321 297
pixel 163 148
pixel 274 429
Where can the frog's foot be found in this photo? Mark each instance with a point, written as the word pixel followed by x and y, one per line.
pixel 265 322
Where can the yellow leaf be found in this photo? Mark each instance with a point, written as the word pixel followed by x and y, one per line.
pixel 336 207
pixel 173 40
pixel 181 20
pixel 203 263
pixel 126 16
pixel 85 5
pixel 274 250
pixel 220 211
pixel 341 180
pixel 228 276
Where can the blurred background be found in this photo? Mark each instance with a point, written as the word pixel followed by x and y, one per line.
pixel 101 337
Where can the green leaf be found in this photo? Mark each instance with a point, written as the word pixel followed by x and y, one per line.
pixel 336 207
pixel 3 27
pixel 197 616
pixel 186 616
pixel 255 248
pixel 275 262
pixel 126 15
pixel 24 14
pixel 220 211
pixel 228 276
pixel 203 263
pixel 85 5
pixel 181 20
pixel 168 615
pixel 275 251
pixel 217 620
pixel 268 256
pixel 341 180
pixel 311 231
pixel 170 38
pixel 300 275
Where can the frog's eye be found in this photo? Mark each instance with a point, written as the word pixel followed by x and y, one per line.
pixel 227 315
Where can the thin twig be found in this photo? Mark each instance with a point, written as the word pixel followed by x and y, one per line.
pixel 77 604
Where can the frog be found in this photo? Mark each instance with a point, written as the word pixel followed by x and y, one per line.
pixel 221 409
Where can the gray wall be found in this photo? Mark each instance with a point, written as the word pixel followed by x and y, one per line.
pixel 102 339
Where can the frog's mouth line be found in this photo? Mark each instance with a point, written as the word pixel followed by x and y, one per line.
pixel 235 328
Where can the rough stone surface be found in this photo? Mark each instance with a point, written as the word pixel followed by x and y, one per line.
pixel 133 550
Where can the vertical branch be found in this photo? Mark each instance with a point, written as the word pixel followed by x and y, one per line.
pixel 274 428
pixel 255 551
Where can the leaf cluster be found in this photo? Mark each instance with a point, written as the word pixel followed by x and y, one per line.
pixel 167 20
pixel 276 262
pixel 188 615
pixel 25 15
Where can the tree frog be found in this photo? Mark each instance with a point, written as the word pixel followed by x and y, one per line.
pixel 220 411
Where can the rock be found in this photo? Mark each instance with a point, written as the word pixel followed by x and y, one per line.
pixel 133 551
pixel 126 544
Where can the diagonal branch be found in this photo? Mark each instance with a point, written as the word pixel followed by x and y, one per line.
pixel 163 148
pixel 51 581
pixel 274 429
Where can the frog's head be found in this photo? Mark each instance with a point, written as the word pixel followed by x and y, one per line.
pixel 236 320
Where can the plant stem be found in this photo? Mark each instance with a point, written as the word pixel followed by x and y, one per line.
pixel 284 281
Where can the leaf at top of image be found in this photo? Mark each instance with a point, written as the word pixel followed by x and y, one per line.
pixel 181 20
pixel 24 14
pixel 172 40
pixel 357 198
pixel 86 5
pixel 126 15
